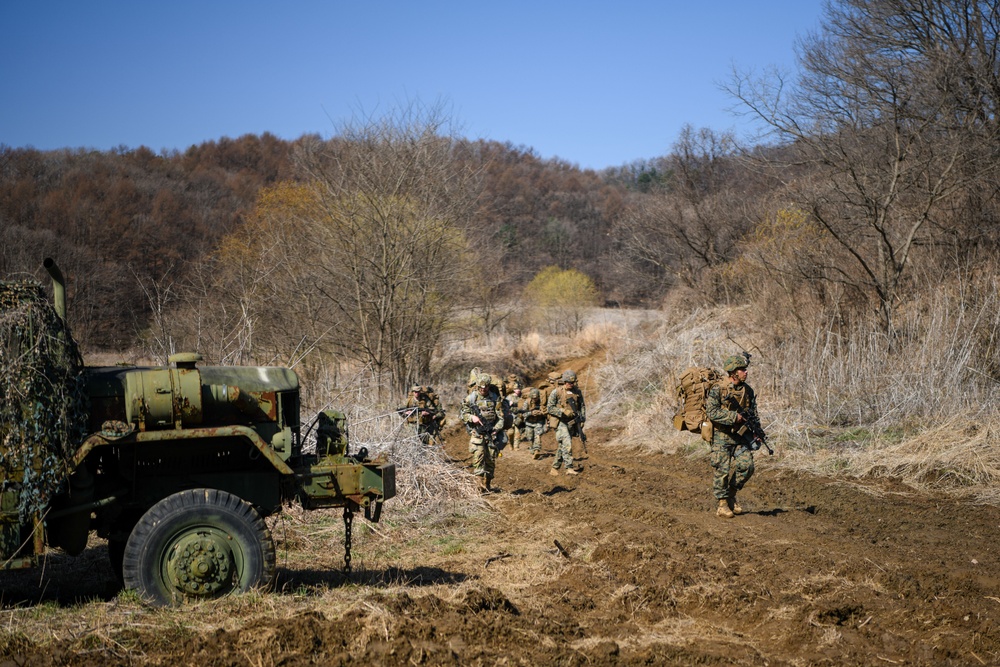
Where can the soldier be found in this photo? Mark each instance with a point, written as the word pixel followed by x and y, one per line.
pixel 474 377
pixel 566 405
pixel 545 389
pixel 482 413
pixel 508 385
pixel 729 405
pixel 534 413
pixel 513 406
pixel 437 408
pixel 420 411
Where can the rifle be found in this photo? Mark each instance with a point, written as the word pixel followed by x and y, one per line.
pixel 424 416
pixel 756 438
pixel 483 431
pixel 576 423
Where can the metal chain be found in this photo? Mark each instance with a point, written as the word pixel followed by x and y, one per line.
pixel 348 522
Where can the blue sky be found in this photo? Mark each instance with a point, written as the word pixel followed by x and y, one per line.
pixel 597 84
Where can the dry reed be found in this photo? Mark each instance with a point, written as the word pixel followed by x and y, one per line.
pixel 917 406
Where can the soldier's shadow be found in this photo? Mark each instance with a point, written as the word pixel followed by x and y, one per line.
pixel 808 509
pixel 773 512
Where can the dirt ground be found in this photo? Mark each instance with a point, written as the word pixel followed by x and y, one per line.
pixel 627 564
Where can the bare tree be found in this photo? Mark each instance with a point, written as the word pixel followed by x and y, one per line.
pixel 893 155
pixel 689 223
pixel 387 239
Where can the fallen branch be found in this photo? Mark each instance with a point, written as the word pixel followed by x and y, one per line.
pixel 561 549
pixel 496 558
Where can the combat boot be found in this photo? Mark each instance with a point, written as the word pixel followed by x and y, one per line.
pixel 572 471
pixel 536 455
pixel 488 485
pixel 724 510
pixel 554 472
pixel 484 484
pixel 734 505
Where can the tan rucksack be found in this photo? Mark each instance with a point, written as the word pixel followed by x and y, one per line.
pixel 692 390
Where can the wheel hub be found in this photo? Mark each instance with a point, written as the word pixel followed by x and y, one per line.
pixel 202 564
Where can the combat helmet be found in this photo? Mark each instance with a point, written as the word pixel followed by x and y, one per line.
pixel 569 376
pixel 735 362
pixel 484 380
pixel 416 389
pixel 534 393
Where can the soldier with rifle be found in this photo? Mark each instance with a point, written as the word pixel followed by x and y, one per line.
pixel 566 405
pixel 731 407
pixel 483 415
pixel 421 411
pixel 439 415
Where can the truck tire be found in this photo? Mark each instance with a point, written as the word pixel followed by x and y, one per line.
pixel 195 545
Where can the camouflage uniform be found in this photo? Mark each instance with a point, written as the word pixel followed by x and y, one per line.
pixel 422 413
pixel 732 457
pixel 485 403
pixel 439 415
pixel 545 389
pixel 566 405
pixel 534 412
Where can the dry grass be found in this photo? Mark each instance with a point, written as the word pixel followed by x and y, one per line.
pixel 958 457
pixel 921 413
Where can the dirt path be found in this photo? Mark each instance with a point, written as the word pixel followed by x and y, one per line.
pixel 818 572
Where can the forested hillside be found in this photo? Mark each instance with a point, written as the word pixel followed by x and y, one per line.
pixel 123 222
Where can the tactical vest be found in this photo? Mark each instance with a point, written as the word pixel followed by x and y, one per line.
pixel 487 406
pixel 528 405
pixel 569 399
pixel 730 398
pixel 730 394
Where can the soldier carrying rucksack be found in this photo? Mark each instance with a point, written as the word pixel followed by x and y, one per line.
pixel 534 412
pixel 423 413
pixel 566 405
pixel 731 409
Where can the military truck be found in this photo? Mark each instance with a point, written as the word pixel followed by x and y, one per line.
pixel 175 466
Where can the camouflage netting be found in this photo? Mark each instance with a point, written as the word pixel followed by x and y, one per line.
pixel 42 404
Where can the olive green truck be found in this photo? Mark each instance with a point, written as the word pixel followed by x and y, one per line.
pixel 175 466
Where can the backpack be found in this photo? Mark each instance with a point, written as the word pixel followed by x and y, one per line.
pixel 692 390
